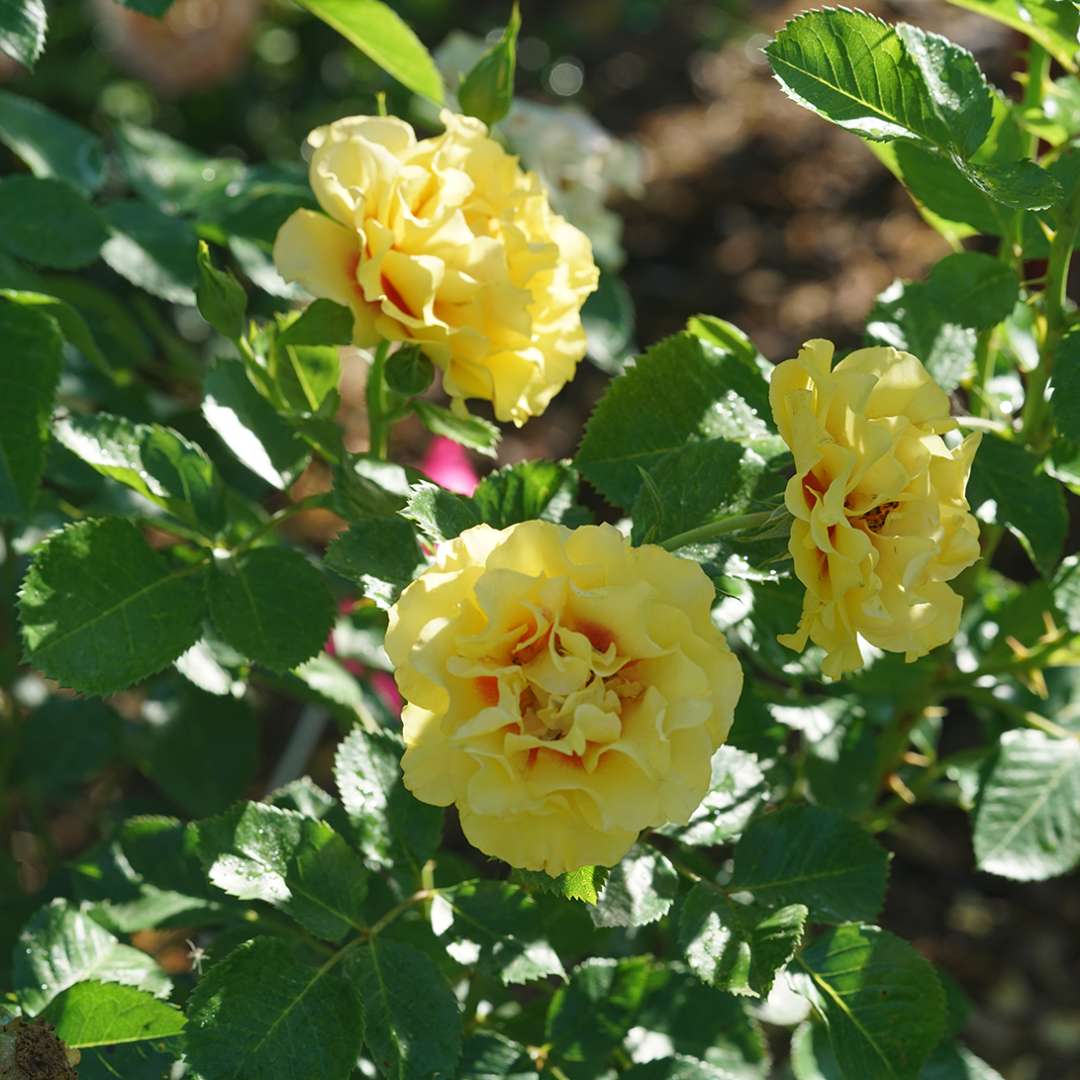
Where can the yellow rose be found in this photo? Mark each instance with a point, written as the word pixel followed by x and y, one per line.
pixel 564 689
pixel 881 522
pixel 447 243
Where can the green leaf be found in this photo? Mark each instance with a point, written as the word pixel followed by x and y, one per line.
pixel 408 371
pixel 440 514
pixel 639 890
pixel 412 1024
pixel 585 883
pixel 699 483
pixel 49 223
pixel 1026 501
pixel 152 250
pixel 670 397
pixel 156 461
pixel 975 290
pixel 260 852
pixel 1022 185
pixel 951 1061
pixel 487 92
pixel 734 947
pixel 1027 825
pixel 304 360
pixel 471 431
pixel 71 323
pixel 812 1056
pixel 528 490
pixel 60 946
pixel 1066 399
pixel 504 921
pixel 64 743
pixel 381 555
pixel 853 69
pixel 101 610
pixel 91 1014
pixel 737 790
pixel 704 1023
pixel 487 1055
pixel 22 30
pixel 33 356
pixel 1067 592
pixel 171 176
pixel 807 855
pixel 902 83
pixel 200 749
pixel 608 319
pixel 387 818
pixel 266 1012
pixel 164 852
pixel 365 487
pixel 271 605
pixel 384 37
pixel 220 297
pixel 881 1001
pixel 908 316
pixel 250 427
pixel 50 144
pixel 748 372
pixel 957 88
pixel 591 1015
pixel 1052 24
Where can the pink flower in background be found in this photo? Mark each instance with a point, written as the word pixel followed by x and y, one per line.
pixel 447 464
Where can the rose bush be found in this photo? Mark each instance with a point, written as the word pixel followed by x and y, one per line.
pixel 611 826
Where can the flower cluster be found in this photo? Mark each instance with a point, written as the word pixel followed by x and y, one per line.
pixel 447 243
pixel 880 519
pixel 564 689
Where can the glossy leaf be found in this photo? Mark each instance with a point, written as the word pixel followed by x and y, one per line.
pixel 881 1001
pixel 62 946
pixel 101 610
pixel 91 1014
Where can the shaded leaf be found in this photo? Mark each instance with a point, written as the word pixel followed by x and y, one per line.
pixel 380 554
pixel 152 250
pixel 50 144
pixel 33 354
pixel 639 889
pixel 272 605
pixel 808 855
pixel 412 1024
pixel 49 223
pixel 266 1012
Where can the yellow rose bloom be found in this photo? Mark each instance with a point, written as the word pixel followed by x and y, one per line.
pixel 880 519
pixel 447 243
pixel 564 689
